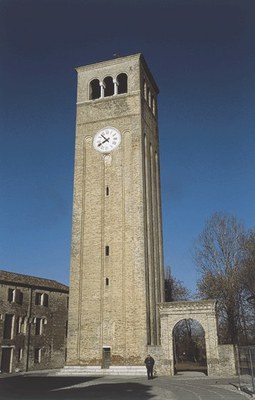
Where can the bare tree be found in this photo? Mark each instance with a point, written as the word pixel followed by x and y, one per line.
pixel 247 280
pixel 174 289
pixel 219 255
pixel 248 272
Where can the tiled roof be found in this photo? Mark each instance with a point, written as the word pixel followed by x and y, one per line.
pixel 31 281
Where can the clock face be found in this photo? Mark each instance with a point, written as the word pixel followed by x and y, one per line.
pixel 106 140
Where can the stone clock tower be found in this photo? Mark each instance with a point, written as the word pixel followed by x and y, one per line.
pixel 116 278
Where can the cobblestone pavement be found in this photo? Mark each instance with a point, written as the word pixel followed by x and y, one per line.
pixel 112 388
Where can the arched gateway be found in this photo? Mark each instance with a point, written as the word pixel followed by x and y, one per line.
pixel 189 346
pixel 220 358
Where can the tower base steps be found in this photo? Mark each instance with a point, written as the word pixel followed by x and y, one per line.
pixel 91 370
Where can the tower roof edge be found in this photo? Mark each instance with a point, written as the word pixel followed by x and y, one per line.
pixel 108 61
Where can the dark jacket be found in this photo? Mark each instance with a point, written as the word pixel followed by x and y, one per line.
pixel 149 362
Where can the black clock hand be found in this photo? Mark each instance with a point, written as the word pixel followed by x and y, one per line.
pixel 105 140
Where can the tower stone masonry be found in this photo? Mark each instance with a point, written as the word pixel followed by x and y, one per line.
pixel 116 275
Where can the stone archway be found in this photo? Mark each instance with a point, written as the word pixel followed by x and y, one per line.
pixel 202 311
pixel 189 347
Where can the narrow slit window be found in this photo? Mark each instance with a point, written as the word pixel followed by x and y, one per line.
pixel 66 328
pixel 107 281
pixel 107 250
pixel 107 191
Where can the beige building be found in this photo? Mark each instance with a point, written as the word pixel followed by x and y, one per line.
pixel 116 276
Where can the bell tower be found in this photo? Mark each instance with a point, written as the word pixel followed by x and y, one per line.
pixel 116 275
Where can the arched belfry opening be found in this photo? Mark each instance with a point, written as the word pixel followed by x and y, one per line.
pixel 122 83
pixel 189 347
pixel 94 89
pixel 109 86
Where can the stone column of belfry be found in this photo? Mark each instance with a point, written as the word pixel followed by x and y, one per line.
pixel 116 275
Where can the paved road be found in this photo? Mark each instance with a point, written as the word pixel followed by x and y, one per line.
pixel 42 387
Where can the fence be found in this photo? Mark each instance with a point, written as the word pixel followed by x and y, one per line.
pixel 246 368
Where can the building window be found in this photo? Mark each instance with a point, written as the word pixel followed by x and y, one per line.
pixel 37 355
pixel 24 325
pixel 15 296
pixel 38 326
pixel 107 281
pixel 19 322
pixel 107 190
pixel 41 299
pixel 8 326
pixel 11 295
pixel 94 89
pixel 107 250
pixel 153 105
pixel 122 83
pixel 20 354
pixel 149 96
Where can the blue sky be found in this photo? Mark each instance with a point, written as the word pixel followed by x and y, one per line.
pixel 202 55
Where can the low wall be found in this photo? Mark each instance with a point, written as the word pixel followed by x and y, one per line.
pixel 227 362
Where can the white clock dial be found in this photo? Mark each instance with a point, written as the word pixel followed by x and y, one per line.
pixel 106 140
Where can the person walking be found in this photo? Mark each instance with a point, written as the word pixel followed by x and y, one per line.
pixel 149 363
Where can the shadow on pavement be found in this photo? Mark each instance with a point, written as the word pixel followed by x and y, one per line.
pixel 47 388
